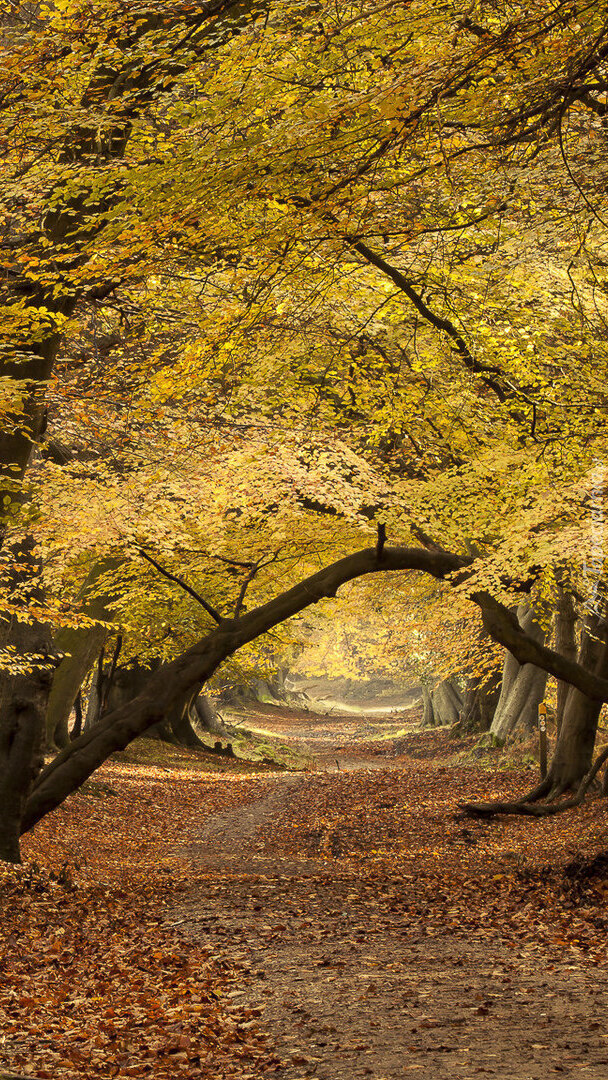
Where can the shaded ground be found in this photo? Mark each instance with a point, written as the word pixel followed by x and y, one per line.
pixel 388 937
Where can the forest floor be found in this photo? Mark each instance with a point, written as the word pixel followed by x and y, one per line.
pixel 196 918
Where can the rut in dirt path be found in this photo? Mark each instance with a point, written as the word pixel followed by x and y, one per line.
pixel 359 969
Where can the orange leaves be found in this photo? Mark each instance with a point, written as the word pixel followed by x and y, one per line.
pixel 95 983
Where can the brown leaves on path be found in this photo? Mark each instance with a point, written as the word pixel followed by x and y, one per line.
pixel 129 946
pixel 93 982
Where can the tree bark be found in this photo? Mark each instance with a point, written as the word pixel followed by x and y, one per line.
pixel 565 643
pixel 182 727
pixel 480 702
pixel 428 716
pixel 442 705
pixel 83 647
pixel 23 704
pixel 77 729
pixel 523 687
pixel 207 717
pixel 122 686
pixel 573 754
pixel 94 703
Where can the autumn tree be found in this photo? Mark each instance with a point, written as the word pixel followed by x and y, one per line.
pixel 332 227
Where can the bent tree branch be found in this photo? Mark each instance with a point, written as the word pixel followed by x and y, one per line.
pixel 194 667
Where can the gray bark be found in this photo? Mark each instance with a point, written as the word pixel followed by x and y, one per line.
pixel 480 702
pixel 523 687
pixel 441 705
pixel 207 717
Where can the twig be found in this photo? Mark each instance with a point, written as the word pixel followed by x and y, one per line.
pixel 240 598
pixel 253 569
pixel 178 581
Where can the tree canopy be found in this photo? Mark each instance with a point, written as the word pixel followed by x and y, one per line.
pixel 280 279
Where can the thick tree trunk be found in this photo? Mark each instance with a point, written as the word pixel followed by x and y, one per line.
pixel 428 719
pixel 441 705
pixel 83 647
pixel 520 709
pixel 447 702
pixel 23 704
pixel 522 690
pixel 573 754
pixel 480 702
pixel 123 685
pixel 208 719
pixel 196 713
pixel 182 727
pixel 565 643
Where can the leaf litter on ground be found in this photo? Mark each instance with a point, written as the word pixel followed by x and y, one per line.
pixel 96 981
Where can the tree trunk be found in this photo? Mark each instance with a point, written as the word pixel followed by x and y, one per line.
pixel 523 687
pixel 480 703
pixel 428 719
pixel 182 728
pixel 77 729
pixel 83 647
pixel 565 643
pixel 441 705
pixel 93 713
pixel 23 704
pixel 123 685
pixel 208 719
pixel 573 754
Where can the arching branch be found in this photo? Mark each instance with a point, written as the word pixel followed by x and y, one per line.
pixel 194 667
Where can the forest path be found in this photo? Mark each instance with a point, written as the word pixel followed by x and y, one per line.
pixel 380 936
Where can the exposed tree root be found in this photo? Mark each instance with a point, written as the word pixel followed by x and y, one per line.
pixel 530 804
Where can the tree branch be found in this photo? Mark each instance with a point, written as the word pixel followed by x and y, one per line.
pixel 490 375
pixel 247 581
pixel 503 626
pixel 194 667
pixel 183 585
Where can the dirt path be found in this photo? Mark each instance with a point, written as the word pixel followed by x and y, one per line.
pixel 379 937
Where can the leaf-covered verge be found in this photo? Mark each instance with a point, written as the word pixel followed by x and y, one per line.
pixel 95 981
